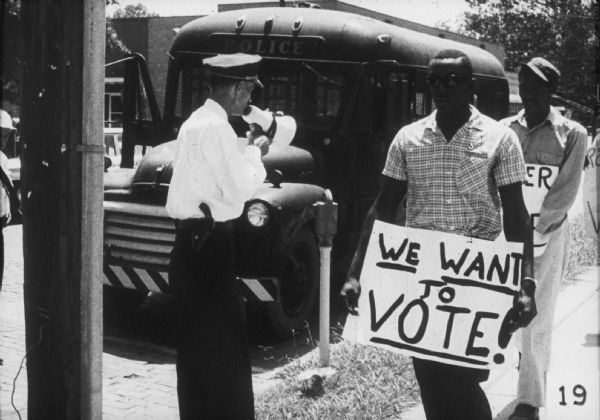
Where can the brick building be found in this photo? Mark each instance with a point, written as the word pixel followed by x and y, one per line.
pixel 151 37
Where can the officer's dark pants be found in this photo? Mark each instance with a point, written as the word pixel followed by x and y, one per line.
pixel 214 378
pixel 452 392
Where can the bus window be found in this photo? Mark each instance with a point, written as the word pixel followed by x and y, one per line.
pixel 422 99
pixel 192 89
pixel 281 93
pixel 491 94
pixel 398 105
pixel 484 92
pixel 362 115
pixel 310 92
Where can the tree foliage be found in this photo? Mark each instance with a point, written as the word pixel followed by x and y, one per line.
pixel 562 31
pixel 10 51
pixel 133 11
pixel 10 54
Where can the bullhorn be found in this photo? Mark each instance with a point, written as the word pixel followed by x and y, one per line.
pixel 278 127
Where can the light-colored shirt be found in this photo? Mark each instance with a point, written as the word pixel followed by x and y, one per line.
pixel 453 185
pixel 208 167
pixel 556 141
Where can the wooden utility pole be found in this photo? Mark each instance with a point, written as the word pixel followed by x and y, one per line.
pixel 62 166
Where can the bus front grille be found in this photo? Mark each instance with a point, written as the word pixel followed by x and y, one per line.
pixel 138 239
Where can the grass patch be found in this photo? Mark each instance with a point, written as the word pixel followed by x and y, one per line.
pixel 371 384
pixel 582 251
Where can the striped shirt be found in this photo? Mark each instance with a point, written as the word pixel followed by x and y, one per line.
pixel 453 185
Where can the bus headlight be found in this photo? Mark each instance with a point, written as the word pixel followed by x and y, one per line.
pixel 258 214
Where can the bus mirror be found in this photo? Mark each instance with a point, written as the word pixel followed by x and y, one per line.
pixel 142 123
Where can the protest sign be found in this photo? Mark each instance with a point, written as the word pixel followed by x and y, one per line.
pixel 539 180
pixel 591 181
pixel 438 296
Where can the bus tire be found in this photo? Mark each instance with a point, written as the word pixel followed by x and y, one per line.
pixel 120 303
pixel 298 291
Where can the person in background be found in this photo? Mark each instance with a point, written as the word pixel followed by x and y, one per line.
pixel 482 175
pixel 8 195
pixel 211 181
pixel 547 138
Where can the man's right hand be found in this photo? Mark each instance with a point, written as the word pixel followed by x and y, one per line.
pixel 350 293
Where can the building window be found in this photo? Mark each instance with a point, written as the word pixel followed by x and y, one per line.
pixel 113 102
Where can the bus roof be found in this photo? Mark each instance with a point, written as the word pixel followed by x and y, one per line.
pixel 323 35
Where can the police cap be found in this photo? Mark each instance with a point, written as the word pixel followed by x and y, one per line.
pixel 238 66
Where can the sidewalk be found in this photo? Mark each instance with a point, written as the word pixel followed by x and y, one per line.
pixel 138 381
pixel 574 349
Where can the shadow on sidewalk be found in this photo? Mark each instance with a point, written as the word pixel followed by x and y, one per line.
pixel 144 332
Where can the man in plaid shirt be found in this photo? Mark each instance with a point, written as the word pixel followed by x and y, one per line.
pixel 459 170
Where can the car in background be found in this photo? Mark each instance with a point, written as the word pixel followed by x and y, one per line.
pixel 113 141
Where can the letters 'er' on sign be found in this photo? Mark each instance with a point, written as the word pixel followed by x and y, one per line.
pixel 591 181
pixel 438 296
pixel 539 180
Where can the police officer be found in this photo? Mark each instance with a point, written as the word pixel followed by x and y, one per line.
pixel 212 179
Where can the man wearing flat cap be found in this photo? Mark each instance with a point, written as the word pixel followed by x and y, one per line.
pixel 212 179
pixel 547 138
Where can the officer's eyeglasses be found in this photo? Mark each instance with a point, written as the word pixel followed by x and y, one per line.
pixel 448 80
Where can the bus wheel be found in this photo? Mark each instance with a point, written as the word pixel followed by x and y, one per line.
pixel 298 290
pixel 120 304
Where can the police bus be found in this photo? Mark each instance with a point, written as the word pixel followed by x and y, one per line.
pixel 349 81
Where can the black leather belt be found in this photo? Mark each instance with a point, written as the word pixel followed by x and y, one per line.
pixel 188 223
pixel 184 224
pixel 205 217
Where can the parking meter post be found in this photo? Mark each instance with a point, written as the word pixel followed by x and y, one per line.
pixel 325 228
pixel 324 307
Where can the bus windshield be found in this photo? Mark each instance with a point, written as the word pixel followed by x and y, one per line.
pixel 312 92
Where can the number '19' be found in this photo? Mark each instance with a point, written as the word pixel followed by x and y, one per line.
pixel 578 392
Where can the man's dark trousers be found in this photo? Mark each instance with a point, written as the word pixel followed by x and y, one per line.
pixel 214 377
pixel 452 392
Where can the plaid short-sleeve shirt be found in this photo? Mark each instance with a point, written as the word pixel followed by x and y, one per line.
pixel 453 185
